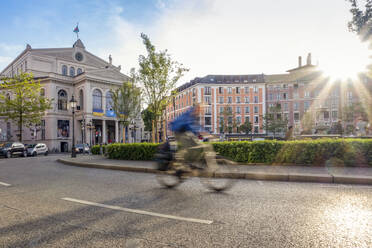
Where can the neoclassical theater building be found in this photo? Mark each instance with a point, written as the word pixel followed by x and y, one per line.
pixel 64 72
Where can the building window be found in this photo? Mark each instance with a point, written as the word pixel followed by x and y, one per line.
pixel 62 100
pixel 221 99
pixel 246 99
pixel 255 89
pixel 270 96
pixel 42 92
pixel 220 90
pixel 256 119
pixel 193 92
pixel 229 90
pixel 237 90
pixel 207 99
pixel 109 101
pixel 229 99
pixel 278 97
pixel 229 110
pixel 295 106
pixel 42 129
pixel 246 119
pixel 207 90
pixel 79 71
pixel 221 109
pixel 72 71
pixel 307 94
pixel 238 99
pixel 63 129
pixel 285 86
pixel 285 106
pixel 247 110
pixel 255 99
pixel 246 90
pixel 296 116
pixel 238 120
pixel 255 129
pixel 350 95
pixel 238 110
pixel 285 96
pixel 208 110
pixel 97 100
pixel 64 70
pixel 255 109
pixel 306 105
pixel 208 121
pixel 326 115
pixel 295 95
pixel 229 120
pixel 334 114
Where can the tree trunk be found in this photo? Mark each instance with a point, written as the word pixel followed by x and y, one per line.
pixel 20 124
pixel 153 132
pixel 124 134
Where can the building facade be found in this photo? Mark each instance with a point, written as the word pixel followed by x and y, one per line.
pixel 64 72
pixel 309 101
pixel 227 102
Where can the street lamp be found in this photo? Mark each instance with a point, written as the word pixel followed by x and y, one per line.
pixel 73 106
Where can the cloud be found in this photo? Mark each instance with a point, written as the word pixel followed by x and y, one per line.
pixel 233 37
pixel 10 48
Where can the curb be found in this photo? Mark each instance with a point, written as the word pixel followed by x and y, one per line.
pixel 292 177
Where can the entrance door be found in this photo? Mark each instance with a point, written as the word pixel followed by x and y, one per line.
pixel 64 147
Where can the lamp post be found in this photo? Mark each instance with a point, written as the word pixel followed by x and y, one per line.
pixel 73 106
pixel 133 130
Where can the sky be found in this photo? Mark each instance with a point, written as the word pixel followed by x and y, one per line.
pixel 206 36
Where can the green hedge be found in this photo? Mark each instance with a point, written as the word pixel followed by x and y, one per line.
pixel 347 152
pixel 95 149
pixel 318 152
pixel 136 151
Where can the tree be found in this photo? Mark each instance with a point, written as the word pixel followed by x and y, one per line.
pixel 307 123
pixel 246 127
pixel 126 103
pixel 273 120
pixel 22 101
pixel 158 74
pixel 148 116
pixel 361 19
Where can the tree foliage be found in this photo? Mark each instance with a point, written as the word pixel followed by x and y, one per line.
pixel 22 101
pixel 148 116
pixel 126 102
pixel 158 74
pixel 246 127
pixel 361 18
pixel 274 121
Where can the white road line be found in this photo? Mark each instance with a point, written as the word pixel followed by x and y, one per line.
pixel 136 211
pixel 5 184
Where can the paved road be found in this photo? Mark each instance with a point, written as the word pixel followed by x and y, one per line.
pixel 33 212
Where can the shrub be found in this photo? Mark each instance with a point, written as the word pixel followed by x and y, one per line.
pixel 136 151
pixel 317 152
pixel 95 149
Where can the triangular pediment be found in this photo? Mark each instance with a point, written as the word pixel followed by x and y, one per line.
pixel 109 72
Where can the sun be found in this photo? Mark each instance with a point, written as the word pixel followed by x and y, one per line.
pixel 348 62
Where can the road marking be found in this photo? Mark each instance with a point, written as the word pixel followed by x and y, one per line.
pixel 137 211
pixel 5 184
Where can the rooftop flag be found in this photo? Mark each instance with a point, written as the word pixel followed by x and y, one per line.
pixel 76 30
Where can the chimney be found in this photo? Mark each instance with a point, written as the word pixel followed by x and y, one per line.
pixel 299 61
pixel 110 59
pixel 308 61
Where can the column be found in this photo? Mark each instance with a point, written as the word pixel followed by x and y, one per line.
pixel 104 132
pixel 116 131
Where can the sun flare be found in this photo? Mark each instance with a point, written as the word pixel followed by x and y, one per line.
pixel 347 63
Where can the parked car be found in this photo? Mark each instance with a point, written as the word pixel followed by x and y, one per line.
pixel 82 148
pixel 37 149
pixel 9 149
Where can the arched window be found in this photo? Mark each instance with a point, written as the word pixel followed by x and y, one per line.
pixel 72 71
pixel 97 99
pixel 108 101
pixel 79 71
pixel 62 100
pixel 81 99
pixel 64 70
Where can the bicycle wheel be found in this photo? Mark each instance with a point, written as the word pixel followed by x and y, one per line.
pixel 217 175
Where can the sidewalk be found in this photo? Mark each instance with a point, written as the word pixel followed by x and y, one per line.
pixel 345 175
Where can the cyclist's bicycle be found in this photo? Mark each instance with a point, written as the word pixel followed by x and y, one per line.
pixel 175 167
